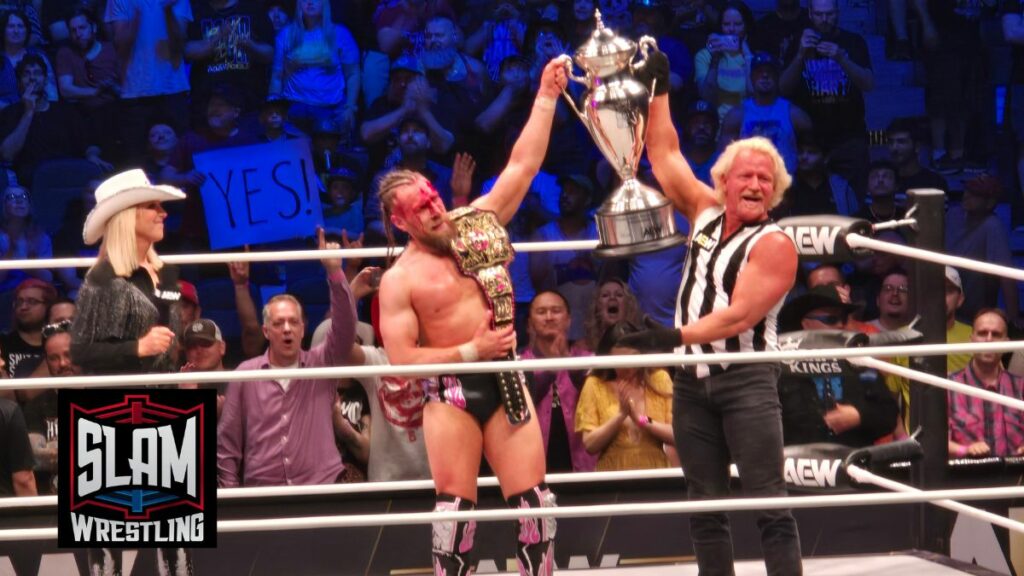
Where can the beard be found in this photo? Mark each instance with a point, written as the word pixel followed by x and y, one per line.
pixel 438 58
pixel 438 242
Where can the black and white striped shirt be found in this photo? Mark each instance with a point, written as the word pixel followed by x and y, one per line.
pixel 709 277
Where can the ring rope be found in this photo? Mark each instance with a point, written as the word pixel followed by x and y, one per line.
pixel 865 477
pixel 540 364
pixel 283 255
pixel 945 383
pixel 893 224
pixel 589 511
pixel 859 241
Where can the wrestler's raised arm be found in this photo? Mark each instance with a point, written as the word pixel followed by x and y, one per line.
pixel 529 151
pixel 688 194
pixel 400 329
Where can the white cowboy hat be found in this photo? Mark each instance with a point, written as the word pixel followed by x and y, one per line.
pixel 121 191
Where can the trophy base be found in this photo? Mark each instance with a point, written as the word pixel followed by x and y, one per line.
pixel 638 231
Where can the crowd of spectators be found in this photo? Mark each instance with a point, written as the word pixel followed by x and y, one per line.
pixel 443 87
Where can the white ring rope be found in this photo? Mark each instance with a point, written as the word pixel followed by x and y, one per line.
pixel 865 477
pixel 945 383
pixel 573 363
pixel 283 255
pixel 385 487
pixel 859 241
pixel 892 224
pixel 590 511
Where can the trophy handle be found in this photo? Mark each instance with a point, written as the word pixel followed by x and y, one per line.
pixel 646 43
pixel 567 62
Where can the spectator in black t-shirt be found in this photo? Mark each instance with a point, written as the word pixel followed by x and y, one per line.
pixel 41 411
pixel 816 189
pixel 1013 31
pixel 35 130
pixel 229 42
pixel 828 72
pixel 905 153
pixel 778 31
pixel 16 461
pixel 23 345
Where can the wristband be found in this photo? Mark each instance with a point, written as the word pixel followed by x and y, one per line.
pixel 544 103
pixel 961 452
pixel 644 421
pixel 468 352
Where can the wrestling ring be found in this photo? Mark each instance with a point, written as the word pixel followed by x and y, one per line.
pixel 899 508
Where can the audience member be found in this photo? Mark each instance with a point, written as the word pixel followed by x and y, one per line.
pixel 978 428
pixel 230 42
pixel 150 41
pixel 280 432
pixel 1013 32
pixel 16 460
pixel 625 414
pixel 653 19
pixel 655 277
pixel 722 68
pixel 829 275
pixel 62 309
pixel 15 47
pixel 278 12
pixel 22 346
pixel 827 399
pixel 905 153
pixel 189 308
pixel 400 23
pixel 555 393
pixel 508 111
pixel 778 31
pixel 41 410
pixel 700 127
pixel 816 189
pixel 572 273
pixel 35 129
pixel 316 67
pixel 613 302
pixel 956 331
pixel 441 58
pixel 342 202
pixel 22 239
pixel 273 119
pixel 829 70
pixel 974 231
pixel 881 203
pixel 204 352
pixel 89 75
pixel 894 310
pixel 767 114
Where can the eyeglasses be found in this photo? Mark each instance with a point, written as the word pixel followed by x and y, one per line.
pixel 15 197
pixel 890 288
pixel 19 302
pixel 830 319
pixel 56 328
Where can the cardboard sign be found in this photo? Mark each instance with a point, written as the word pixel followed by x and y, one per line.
pixel 257 194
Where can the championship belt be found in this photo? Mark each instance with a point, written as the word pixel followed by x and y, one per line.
pixel 482 251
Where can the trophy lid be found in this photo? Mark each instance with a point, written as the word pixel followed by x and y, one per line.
pixel 604 48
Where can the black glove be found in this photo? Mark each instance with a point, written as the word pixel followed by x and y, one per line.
pixel 653 340
pixel 655 69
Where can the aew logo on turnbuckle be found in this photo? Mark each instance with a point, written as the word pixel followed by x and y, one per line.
pixel 141 465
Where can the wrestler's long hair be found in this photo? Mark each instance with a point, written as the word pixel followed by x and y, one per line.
pixel 753 144
pixel 387 189
pixel 119 245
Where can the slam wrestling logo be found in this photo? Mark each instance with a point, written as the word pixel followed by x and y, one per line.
pixel 141 467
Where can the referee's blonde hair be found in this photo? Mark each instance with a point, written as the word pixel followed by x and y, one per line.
pixel 754 144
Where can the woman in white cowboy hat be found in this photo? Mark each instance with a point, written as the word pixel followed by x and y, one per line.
pixel 126 307
pixel 127 313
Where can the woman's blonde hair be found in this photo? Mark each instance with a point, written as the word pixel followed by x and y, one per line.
pixel 593 328
pixel 295 30
pixel 119 246
pixel 754 144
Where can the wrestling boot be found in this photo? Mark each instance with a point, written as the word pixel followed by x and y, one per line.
pixel 453 541
pixel 535 548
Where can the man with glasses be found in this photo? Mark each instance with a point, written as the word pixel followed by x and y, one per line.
pixel 827 399
pixel 41 411
pixel 23 345
pixel 828 72
pixel 893 302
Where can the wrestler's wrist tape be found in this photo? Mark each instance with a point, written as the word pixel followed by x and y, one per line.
pixel 544 103
pixel 468 352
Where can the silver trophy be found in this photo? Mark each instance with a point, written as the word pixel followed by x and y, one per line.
pixel 635 218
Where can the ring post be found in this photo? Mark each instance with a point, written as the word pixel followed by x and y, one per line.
pixel 928 403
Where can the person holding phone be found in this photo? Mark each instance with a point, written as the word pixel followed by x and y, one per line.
pixel 827 73
pixel 723 66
